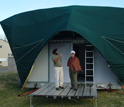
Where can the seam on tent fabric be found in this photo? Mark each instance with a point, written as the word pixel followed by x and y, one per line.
pixel 113 39
pixel 28 44
pixel 114 16
pixel 113 45
pixel 69 17
pixel 28 51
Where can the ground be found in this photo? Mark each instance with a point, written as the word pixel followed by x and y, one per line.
pixel 9 90
pixel 3 69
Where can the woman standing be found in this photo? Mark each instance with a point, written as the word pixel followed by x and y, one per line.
pixel 74 68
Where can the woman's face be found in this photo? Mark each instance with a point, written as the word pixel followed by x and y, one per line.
pixel 72 55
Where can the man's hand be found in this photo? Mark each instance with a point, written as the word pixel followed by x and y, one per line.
pixel 58 58
pixel 61 55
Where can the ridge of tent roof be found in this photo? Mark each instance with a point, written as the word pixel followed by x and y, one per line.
pixel 71 6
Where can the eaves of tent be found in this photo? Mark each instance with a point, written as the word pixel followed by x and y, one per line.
pixel 103 27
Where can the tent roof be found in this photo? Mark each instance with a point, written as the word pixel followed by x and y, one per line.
pixel 28 32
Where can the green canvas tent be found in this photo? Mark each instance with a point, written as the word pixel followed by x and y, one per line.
pixel 103 27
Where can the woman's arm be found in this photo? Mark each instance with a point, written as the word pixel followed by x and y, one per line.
pixel 79 64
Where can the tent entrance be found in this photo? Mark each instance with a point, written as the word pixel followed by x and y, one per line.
pixel 66 41
pixel 80 53
pixel 77 43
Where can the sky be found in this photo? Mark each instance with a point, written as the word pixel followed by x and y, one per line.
pixel 12 7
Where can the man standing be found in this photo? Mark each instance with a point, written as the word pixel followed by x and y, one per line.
pixel 74 68
pixel 58 69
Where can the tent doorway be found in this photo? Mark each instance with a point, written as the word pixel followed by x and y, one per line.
pixel 80 53
pixel 43 72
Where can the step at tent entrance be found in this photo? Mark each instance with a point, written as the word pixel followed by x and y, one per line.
pixel 103 27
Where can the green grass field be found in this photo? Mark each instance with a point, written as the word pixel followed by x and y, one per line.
pixel 9 90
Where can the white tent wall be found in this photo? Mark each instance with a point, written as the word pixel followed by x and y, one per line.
pixel 64 49
pixel 103 74
pixel 40 69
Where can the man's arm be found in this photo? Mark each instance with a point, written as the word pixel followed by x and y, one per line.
pixel 58 58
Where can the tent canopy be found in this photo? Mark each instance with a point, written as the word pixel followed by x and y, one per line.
pixel 103 27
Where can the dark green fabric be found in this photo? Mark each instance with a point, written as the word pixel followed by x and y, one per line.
pixel 101 26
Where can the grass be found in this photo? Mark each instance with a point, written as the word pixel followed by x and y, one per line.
pixel 3 66
pixel 9 90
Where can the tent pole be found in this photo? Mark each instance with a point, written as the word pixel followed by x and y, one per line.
pixel 23 87
pixel 31 101
pixel 28 77
pixel 95 102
